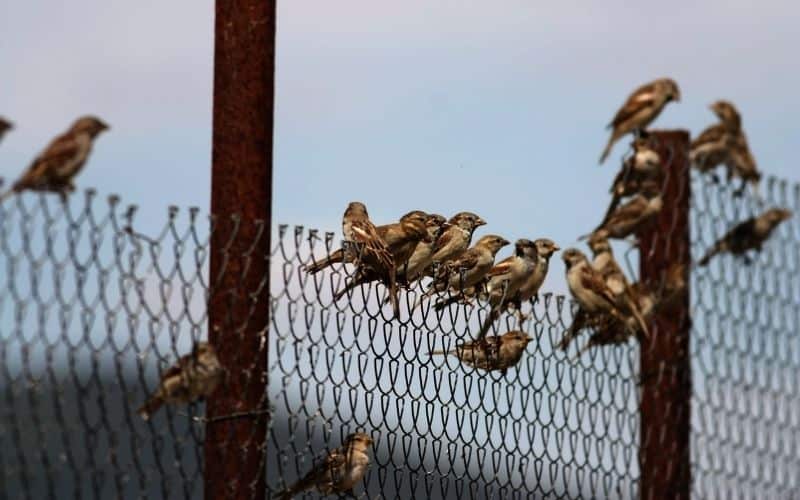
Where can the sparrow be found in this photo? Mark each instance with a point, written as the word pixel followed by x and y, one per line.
pixel 456 238
pixel 641 108
pixel 544 249
pixel 748 235
pixel 422 257
pixel 631 217
pixel 400 237
pixel 713 146
pixel 496 353
pixel 506 278
pixel 593 294
pixel 5 126
pixel 468 269
pixel 626 297
pixel 339 472
pixel 639 169
pixel 56 167
pixel 603 262
pixel 193 377
pixel 364 247
pixel 606 329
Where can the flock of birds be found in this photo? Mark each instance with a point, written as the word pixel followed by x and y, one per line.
pixel 423 246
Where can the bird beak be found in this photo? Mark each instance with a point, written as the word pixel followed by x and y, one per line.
pixel 556 248
pixel 480 222
pixel 505 242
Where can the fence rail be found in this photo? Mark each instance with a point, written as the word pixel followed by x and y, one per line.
pixel 93 311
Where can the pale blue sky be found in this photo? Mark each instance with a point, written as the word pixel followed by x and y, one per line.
pixel 442 106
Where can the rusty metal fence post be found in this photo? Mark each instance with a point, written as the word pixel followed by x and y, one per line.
pixel 664 453
pixel 241 187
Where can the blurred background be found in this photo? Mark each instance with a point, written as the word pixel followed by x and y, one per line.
pixel 441 106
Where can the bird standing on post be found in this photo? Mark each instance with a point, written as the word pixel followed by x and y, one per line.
pixel 56 167
pixel 641 108
pixel 748 235
pixel 5 126
pixel 632 216
pixel 341 470
pixel 193 377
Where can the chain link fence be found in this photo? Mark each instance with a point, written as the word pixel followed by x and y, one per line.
pixel 93 312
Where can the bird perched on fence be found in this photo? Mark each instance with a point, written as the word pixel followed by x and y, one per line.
pixel 633 215
pixel 603 262
pixel 5 126
pixel 505 279
pixel 422 257
pixel 496 353
pixel 364 247
pixel 341 470
pixel 544 249
pixel 193 377
pixel 748 235
pixel 469 268
pixel 456 238
pixel 401 238
pixel 593 294
pixel 626 297
pixel 639 169
pixel 641 108
pixel 56 167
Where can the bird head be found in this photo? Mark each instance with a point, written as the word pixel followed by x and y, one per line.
pixel 467 221
pixel 598 242
pixel 545 247
pixel 416 223
pixel 524 248
pixel 670 89
pixel 356 209
pixel 572 257
pixel 359 440
pixel 777 215
pixel 517 337
pixel 493 242
pixel 91 125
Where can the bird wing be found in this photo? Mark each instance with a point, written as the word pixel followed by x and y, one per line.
pixel 365 232
pixel 712 134
pixel 468 260
pixel 594 282
pixel 502 267
pixel 444 239
pixel 631 210
pixel 641 98
pixel 55 159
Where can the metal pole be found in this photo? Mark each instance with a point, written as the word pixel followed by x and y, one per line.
pixel 241 185
pixel 664 453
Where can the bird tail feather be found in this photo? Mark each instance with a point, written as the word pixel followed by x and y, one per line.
pixel 608 147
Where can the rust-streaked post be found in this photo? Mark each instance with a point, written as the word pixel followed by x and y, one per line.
pixel 665 369
pixel 241 185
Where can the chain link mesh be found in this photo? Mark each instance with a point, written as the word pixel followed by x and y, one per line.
pixel 92 313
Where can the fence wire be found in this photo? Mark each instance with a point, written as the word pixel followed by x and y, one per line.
pixel 93 312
